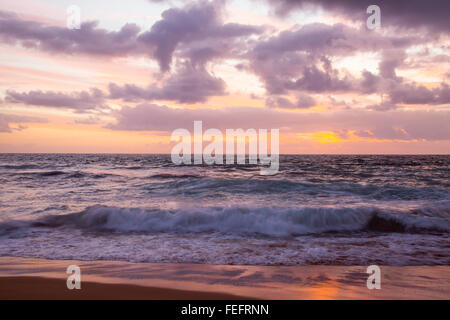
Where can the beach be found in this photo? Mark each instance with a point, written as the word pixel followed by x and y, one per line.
pixel 37 288
pixel 23 278
pixel 140 227
pixel 225 150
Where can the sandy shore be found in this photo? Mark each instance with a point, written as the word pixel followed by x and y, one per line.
pixel 32 288
pixel 22 278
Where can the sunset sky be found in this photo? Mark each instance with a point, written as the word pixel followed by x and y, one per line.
pixel 136 70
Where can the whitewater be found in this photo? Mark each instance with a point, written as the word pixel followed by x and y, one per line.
pixel 319 209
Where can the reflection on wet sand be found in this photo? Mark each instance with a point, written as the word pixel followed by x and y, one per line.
pixel 263 282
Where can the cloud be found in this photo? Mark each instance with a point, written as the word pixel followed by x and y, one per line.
pixel 411 14
pixel 296 62
pixel 394 124
pixel 7 119
pixel 88 120
pixel 412 93
pixel 300 59
pixel 384 106
pixel 369 83
pixel 152 117
pixel 303 102
pixel 336 39
pixel 400 92
pixel 315 80
pixel 198 21
pixel 81 101
pixel 188 85
pixel 89 39
pixel 391 59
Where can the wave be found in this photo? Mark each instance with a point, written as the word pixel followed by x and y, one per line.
pixel 174 184
pixel 20 166
pixel 50 173
pixel 174 176
pixel 66 174
pixel 264 221
pixel 142 167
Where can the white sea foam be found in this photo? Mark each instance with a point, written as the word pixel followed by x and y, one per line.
pixel 236 235
pixel 268 221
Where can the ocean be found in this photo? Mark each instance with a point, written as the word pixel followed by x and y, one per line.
pixel 318 210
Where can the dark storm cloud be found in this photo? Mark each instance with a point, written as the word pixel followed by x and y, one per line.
pixel 81 101
pixel 431 14
pixel 188 85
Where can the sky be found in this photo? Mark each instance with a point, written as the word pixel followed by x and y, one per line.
pixel 137 70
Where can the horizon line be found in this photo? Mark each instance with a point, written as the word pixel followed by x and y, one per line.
pixel 281 154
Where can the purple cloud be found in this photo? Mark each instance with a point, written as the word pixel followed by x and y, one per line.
pixel 294 62
pixel 411 93
pixel 195 22
pixel 384 106
pixel 303 102
pixel 89 39
pixel 188 85
pixel 81 101
pixel 412 14
pixel 7 119
pixel 299 59
pixel 394 124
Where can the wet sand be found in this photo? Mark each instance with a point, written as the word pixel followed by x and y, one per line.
pixel 23 278
pixel 37 288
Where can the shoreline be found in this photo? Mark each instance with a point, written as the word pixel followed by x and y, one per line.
pixel 29 278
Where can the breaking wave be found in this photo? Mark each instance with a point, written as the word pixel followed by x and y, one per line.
pixel 264 221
